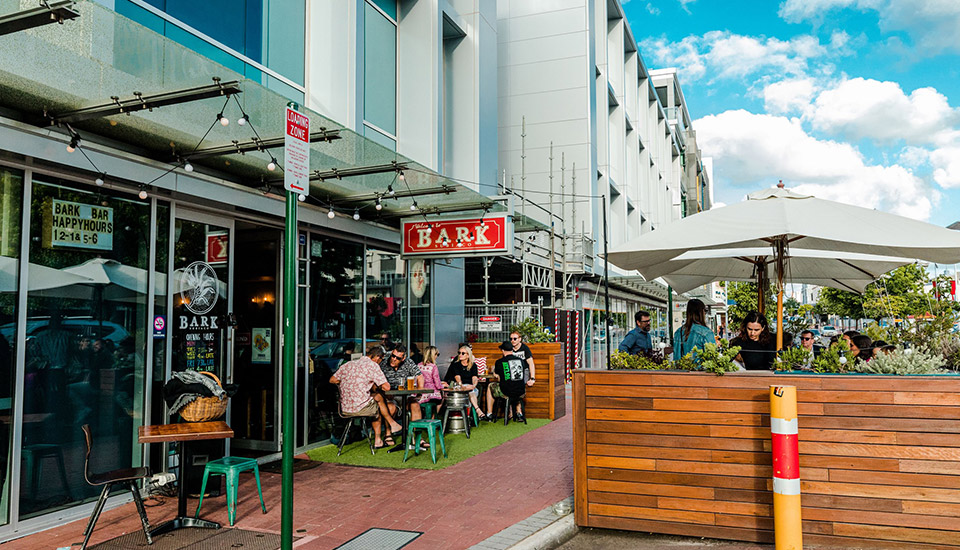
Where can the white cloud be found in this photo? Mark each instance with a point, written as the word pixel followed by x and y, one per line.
pixel 723 54
pixel 932 25
pixel 753 151
pixel 946 166
pixel 652 9
pixel 789 96
pixel 881 111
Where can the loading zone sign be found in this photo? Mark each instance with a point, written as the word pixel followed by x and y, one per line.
pixel 296 152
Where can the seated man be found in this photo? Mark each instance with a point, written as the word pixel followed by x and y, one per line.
pixel 356 380
pixel 509 370
pixel 397 367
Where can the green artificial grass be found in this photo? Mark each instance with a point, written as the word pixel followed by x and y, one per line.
pixel 482 438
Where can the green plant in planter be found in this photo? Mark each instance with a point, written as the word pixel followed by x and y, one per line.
pixel 902 361
pixel 793 359
pixel 685 363
pixel 718 360
pixel 835 359
pixel 532 331
pixel 621 360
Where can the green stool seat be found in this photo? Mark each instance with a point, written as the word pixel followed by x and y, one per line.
pixel 432 427
pixel 230 467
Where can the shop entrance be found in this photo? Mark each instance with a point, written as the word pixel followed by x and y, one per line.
pixel 254 413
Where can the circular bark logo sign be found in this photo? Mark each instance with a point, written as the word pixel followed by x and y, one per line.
pixel 199 287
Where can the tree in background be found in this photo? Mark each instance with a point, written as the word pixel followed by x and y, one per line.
pixel 744 297
pixel 898 294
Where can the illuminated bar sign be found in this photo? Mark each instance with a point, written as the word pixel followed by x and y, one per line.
pixel 490 235
pixel 77 225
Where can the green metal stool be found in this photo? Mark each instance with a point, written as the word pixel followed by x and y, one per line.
pixel 428 409
pixel 230 467
pixel 432 427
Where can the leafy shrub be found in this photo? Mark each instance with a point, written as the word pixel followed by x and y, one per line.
pixel 836 358
pixel 532 331
pixel 793 359
pixel 902 361
pixel 622 360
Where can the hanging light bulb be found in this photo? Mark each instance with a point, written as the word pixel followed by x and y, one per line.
pixel 242 121
pixel 224 121
pixel 272 165
pixel 356 214
pixel 390 190
pixel 330 214
pixel 99 180
pixel 188 167
pixel 143 193
pixel 301 197
pixel 401 177
pixel 413 206
pixel 379 204
pixel 74 143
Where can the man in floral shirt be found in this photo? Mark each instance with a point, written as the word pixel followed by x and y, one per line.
pixel 356 380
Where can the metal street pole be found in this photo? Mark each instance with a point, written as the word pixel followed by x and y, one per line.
pixel 606 280
pixel 289 367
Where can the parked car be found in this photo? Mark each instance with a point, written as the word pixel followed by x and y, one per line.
pixel 332 354
pixel 85 326
pixel 829 331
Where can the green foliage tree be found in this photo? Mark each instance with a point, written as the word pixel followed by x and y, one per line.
pixel 744 296
pixel 898 294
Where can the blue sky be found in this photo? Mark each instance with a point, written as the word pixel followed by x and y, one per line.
pixel 850 100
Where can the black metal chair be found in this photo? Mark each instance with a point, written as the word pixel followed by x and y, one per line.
pixel 507 411
pixel 362 421
pixel 126 476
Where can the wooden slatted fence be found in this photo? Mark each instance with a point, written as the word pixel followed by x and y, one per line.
pixel 689 454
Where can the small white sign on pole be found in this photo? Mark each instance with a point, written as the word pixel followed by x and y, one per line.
pixel 296 151
pixel 490 323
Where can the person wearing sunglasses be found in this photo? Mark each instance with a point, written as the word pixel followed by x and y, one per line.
pixel 397 367
pixel 463 371
pixel 522 351
pixel 809 342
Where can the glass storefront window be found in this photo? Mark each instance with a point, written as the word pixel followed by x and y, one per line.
pixel 335 325
pixel 419 307
pixel 386 296
pixel 11 197
pixel 85 338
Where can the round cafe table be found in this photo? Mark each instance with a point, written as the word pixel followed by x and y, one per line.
pixel 457 400
pixel 404 396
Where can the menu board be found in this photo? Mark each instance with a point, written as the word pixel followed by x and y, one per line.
pixel 200 350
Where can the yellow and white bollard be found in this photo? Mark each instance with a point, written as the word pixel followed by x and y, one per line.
pixel 788 530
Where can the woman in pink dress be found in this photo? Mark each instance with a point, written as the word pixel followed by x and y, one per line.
pixel 431 377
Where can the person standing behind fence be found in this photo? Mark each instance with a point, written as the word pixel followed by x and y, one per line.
pixel 758 348
pixel 694 334
pixel 638 340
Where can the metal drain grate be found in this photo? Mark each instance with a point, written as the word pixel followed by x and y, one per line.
pixel 195 539
pixel 380 539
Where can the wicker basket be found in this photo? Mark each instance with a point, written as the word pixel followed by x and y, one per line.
pixel 204 409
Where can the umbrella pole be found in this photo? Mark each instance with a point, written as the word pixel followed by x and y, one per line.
pixel 780 247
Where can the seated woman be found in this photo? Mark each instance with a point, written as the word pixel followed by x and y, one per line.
pixel 757 345
pixel 694 333
pixel 463 371
pixel 431 377
pixel 862 346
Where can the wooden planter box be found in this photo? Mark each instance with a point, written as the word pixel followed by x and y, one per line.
pixel 546 399
pixel 689 454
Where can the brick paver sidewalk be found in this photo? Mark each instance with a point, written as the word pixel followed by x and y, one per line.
pixel 454 508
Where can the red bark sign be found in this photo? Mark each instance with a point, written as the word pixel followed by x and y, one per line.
pixel 483 236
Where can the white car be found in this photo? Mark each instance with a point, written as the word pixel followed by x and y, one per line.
pixel 829 331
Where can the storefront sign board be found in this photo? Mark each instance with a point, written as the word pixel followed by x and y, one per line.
pixel 490 323
pixel 489 235
pixel 296 151
pixel 77 225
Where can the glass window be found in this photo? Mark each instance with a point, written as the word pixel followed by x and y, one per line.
pixel 379 70
pixel 11 196
pixel 380 138
pixel 85 339
pixel 419 307
pixel 335 324
pixel 386 297
pixel 389 7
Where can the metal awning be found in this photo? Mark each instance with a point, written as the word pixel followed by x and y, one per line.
pixel 103 55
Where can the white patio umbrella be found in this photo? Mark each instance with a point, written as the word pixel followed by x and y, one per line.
pixel 783 222
pixel 842 270
pixel 39 277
